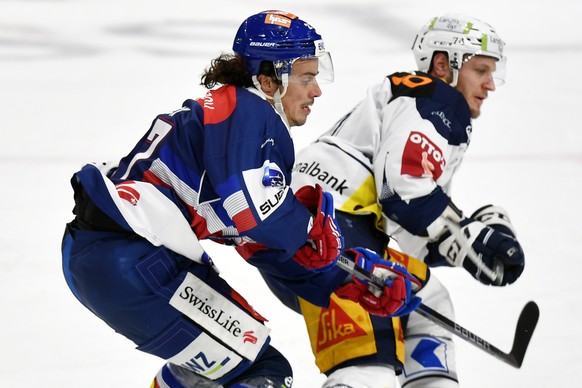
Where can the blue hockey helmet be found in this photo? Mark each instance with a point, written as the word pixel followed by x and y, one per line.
pixel 282 38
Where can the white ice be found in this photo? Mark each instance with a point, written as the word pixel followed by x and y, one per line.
pixel 81 81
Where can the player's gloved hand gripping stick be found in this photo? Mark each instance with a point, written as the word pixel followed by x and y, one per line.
pixel 484 244
pixel 388 291
pixel 526 323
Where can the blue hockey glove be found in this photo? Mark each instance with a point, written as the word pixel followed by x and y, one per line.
pixel 325 241
pixel 497 218
pixel 395 299
pixel 491 254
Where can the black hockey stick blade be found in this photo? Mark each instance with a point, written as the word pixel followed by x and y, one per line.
pixel 526 324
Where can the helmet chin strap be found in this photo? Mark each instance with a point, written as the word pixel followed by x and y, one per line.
pixel 455 77
pixel 277 99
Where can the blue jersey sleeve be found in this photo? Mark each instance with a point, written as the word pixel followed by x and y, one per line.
pixel 249 166
pixel 417 214
pixel 291 277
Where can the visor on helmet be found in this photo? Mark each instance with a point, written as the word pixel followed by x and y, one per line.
pixel 323 74
pixel 325 71
pixel 500 68
pixel 500 72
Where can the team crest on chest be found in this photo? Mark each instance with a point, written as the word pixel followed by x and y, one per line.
pixel 422 157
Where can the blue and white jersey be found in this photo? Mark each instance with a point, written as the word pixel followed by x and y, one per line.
pixel 222 162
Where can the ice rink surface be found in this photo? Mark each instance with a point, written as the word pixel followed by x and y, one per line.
pixel 82 80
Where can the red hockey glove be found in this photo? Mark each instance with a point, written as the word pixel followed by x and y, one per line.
pixel 324 242
pixel 396 299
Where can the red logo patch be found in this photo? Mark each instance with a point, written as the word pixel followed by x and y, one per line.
pixel 218 104
pixel 422 158
pixel 127 192
pixel 248 336
pixel 335 325
pixel 279 18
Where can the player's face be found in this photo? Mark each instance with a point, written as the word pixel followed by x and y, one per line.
pixel 476 81
pixel 301 91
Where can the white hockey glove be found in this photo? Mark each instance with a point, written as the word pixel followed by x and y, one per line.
pixel 484 244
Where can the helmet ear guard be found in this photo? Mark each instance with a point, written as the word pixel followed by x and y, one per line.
pixel 461 37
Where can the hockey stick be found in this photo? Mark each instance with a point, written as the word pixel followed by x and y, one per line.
pixel 526 323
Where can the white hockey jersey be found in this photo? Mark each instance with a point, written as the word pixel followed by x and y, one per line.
pixel 404 141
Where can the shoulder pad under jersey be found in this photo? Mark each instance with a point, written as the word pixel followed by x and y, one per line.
pixel 412 85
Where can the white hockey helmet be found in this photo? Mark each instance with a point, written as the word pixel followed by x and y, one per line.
pixel 461 37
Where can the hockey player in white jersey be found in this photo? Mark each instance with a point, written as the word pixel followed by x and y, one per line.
pixel 389 164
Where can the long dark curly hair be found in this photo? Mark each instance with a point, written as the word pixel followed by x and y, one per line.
pixel 230 69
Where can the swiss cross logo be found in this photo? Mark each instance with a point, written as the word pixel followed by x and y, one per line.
pixel 128 192
pixel 421 157
pixel 335 325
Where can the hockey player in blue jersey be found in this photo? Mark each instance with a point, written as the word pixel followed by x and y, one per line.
pixel 389 164
pixel 218 168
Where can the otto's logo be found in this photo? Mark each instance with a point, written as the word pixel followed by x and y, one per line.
pixel 248 336
pixel 128 192
pixel 422 158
